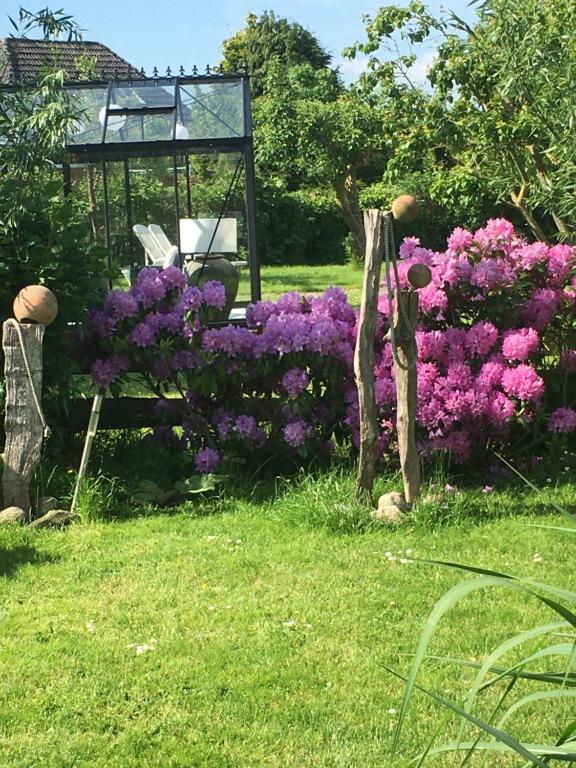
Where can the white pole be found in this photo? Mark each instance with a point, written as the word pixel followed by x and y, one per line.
pixel 90 435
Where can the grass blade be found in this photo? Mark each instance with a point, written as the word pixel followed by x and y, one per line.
pixel 501 736
pixel 447 600
pixel 537 696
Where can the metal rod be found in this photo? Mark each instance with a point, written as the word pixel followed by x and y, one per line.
pixel 250 203
pixel 177 208
pixel 188 187
pixel 107 221
pixel 129 221
pixel 67 179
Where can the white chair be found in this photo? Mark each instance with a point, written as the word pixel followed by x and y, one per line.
pixel 171 252
pixel 156 254
pixel 210 236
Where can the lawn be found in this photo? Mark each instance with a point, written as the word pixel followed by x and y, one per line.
pixel 252 629
pixel 276 280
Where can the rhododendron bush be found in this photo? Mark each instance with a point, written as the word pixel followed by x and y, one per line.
pixel 276 387
pixel 496 365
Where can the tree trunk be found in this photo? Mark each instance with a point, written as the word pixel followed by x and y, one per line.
pixel 348 202
pixel 364 356
pixel 24 429
pixel 518 201
pixel 542 175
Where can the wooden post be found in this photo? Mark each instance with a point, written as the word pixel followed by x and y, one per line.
pixel 24 429
pixel 364 355
pixel 406 391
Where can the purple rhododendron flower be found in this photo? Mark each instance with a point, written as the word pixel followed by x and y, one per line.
pixel 213 294
pixel 143 335
pixel 149 288
pixel 295 433
pixel 246 426
pixel 562 420
pixel 206 460
pixel 191 298
pixel 481 338
pixel 120 304
pixel 295 381
pixel 222 420
pixel 105 372
pixel 460 240
pixel 173 277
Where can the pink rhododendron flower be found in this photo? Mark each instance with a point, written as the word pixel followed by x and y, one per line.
pixel 520 344
pixel 523 382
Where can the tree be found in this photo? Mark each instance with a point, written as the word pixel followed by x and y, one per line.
pixel 269 38
pixel 502 103
pixel 311 132
pixel 44 237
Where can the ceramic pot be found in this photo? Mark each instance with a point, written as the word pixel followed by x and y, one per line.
pixel 35 304
pixel 220 269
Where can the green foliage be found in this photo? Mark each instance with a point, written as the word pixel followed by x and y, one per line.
pixel 44 237
pixel 268 39
pixel 300 227
pixel 448 198
pixel 148 492
pixel 309 133
pixel 493 678
pixel 501 105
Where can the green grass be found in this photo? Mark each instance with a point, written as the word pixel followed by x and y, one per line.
pixel 267 618
pixel 277 280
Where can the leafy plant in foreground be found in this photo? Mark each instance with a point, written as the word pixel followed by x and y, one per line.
pixel 554 639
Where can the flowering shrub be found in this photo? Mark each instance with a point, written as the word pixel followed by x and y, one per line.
pixel 495 338
pixel 276 387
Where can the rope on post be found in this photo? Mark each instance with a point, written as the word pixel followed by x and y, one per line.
pixel 35 396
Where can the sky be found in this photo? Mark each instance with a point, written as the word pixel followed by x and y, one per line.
pixel 151 33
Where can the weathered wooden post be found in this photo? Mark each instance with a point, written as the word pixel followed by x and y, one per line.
pixel 406 391
pixel 391 506
pixel 364 354
pixel 379 242
pixel 25 425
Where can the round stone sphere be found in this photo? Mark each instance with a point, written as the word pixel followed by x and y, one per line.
pixel 35 304
pixel 419 275
pixel 405 209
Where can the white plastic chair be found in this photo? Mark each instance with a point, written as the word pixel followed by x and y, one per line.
pixel 156 254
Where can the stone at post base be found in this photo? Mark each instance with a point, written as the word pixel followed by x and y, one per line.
pixel 12 515
pixel 392 508
pixel 56 518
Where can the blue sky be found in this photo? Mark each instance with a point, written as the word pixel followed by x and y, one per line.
pixel 152 33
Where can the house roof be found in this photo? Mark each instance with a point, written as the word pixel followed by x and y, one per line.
pixel 22 60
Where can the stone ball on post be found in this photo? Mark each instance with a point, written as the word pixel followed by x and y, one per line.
pixel 419 275
pixel 405 209
pixel 35 304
